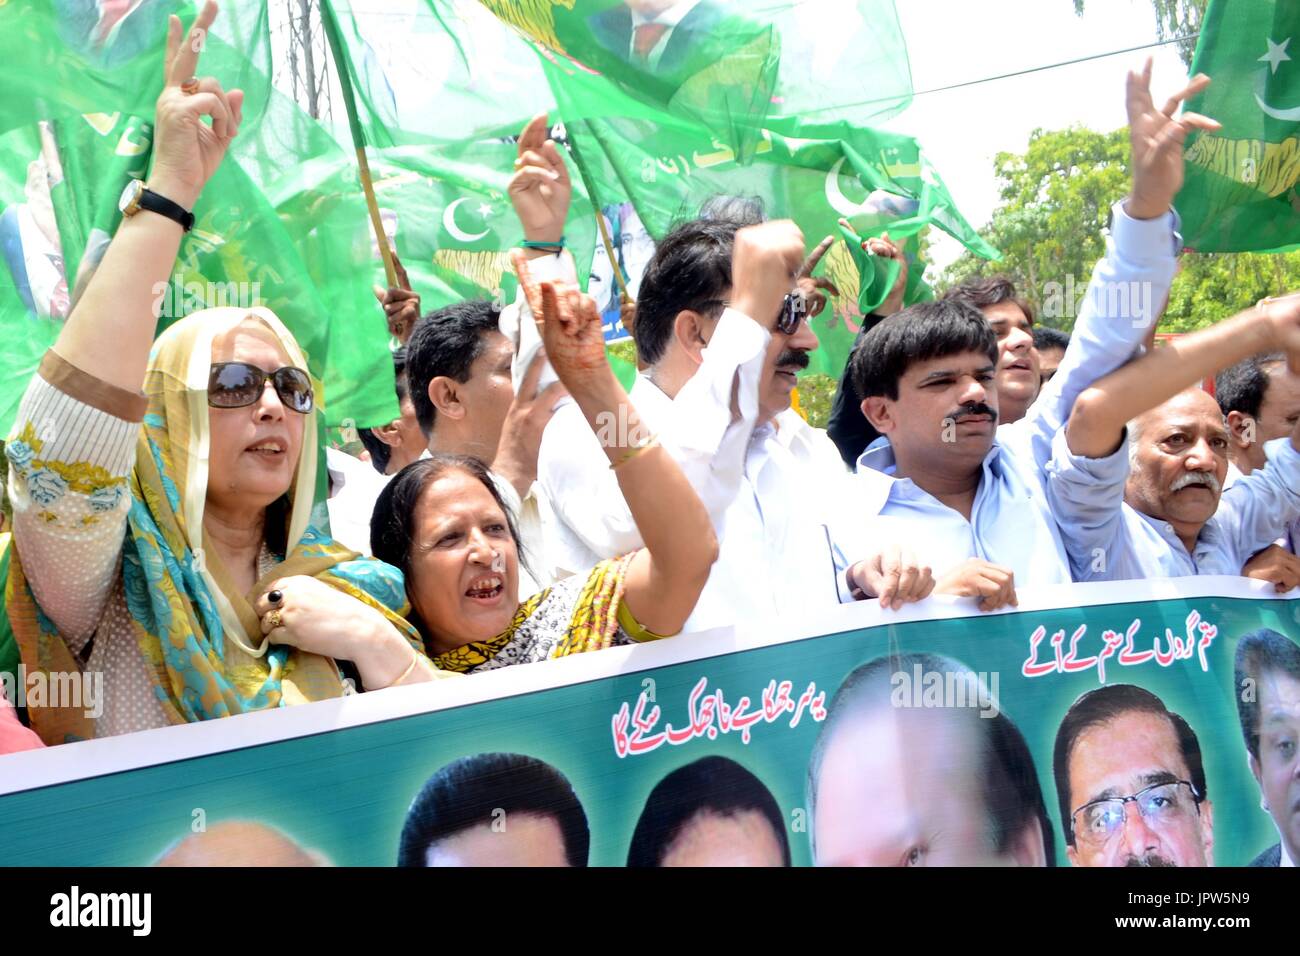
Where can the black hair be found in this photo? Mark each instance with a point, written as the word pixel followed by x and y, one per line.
pixel 445 343
pixel 380 453
pixel 1242 387
pixel 925 331
pixel 994 290
pixel 474 791
pixel 691 269
pixel 1100 706
pixel 1012 797
pixel 742 210
pixel 1046 337
pixel 1258 653
pixel 393 522
pixel 713 785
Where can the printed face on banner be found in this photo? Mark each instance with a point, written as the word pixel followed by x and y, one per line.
pixel 1278 766
pixel 1136 755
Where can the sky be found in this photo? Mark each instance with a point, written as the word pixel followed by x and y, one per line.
pixel 962 130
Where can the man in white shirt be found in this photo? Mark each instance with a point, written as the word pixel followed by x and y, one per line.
pixel 1260 401
pixel 715 379
pixel 970 494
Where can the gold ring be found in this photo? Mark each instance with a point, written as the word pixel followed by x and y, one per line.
pixel 274 619
pixel 190 86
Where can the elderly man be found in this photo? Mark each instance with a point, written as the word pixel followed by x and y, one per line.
pixel 1119 745
pixel 969 497
pixel 1147 500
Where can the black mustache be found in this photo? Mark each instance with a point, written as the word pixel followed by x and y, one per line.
pixel 974 408
pixel 797 357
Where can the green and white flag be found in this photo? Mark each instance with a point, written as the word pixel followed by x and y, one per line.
pixel 1241 193
pixel 60 181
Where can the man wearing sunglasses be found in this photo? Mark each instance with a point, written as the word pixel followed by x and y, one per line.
pixel 1131 783
pixel 721 334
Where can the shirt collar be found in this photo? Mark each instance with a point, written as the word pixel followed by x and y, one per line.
pixel 879 456
pixel 1207 541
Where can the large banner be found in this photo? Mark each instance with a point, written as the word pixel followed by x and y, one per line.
pixel 1098 725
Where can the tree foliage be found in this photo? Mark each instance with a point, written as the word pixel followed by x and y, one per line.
pixel 1054 202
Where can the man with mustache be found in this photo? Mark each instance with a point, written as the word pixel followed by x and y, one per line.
pixel 1131 783
pixel 967 495
pixel 1136 477
pixel 721 332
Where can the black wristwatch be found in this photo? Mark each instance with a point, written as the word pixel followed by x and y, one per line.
pixel 137 196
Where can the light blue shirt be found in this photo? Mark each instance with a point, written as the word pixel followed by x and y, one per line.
pixel 1108 540
pixel 1012 522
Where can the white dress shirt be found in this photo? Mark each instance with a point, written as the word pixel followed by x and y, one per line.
pixel 1012 522
pixel 354 487
pixel 592 521
pixel 1290 539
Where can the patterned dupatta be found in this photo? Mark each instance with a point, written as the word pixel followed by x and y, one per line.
pixel 202 640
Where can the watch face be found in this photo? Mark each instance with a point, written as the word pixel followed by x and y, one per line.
pixel 129 204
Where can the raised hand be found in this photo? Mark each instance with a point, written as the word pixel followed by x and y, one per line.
pixel 187 151
pixel 1282 313
pixel 812 286
pixel 401 305
pixel 766 261
pixel 540 189
pixel 524 425
pixel 1157 141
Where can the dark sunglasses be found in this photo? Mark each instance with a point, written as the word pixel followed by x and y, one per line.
pixel 238 384
pixel 793 310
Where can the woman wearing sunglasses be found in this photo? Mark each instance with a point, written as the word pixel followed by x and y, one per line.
pixel 444 524
pixel 165 540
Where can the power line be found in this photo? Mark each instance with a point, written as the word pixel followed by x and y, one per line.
pixel 1053 66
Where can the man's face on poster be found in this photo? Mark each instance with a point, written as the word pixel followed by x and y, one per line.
pixel 1135 754
pixel 901 787
pixel 1278 766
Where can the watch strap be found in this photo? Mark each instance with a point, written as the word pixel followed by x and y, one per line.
pixel 163 206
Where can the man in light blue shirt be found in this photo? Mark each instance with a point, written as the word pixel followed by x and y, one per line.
pixel 967 499
pixel 1146 499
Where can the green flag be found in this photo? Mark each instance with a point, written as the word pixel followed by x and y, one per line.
pixel 735 66
pixel 250 244
pixel 1241 192
pixel 878 181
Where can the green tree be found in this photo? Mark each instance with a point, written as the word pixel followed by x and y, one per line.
pixel 1174 18
pixel 1054 202
pixel 1055 198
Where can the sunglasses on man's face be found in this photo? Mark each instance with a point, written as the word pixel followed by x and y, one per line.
pixel 238 384
pixel 793 311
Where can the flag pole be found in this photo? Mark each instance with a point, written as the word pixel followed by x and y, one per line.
pixel 330 23
pixel 600 219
